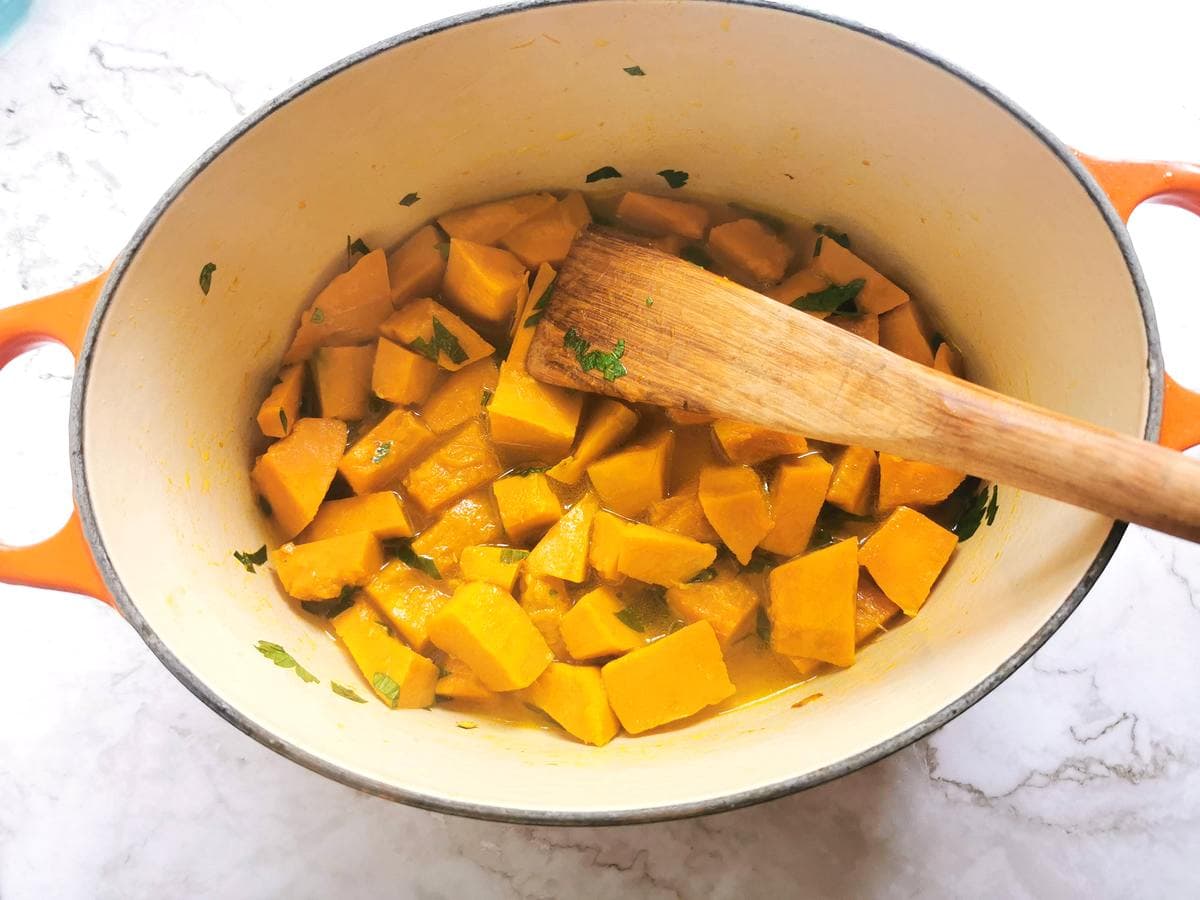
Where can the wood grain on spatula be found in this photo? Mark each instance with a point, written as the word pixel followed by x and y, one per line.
pixel 696 341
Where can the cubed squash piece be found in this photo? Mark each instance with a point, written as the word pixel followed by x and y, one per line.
pixel 687 417
pixel 865 326
pixel 347 311
pixel 608 424
pixel 748 445
pixel 529 314
pixel 659 216
pixel 750 251
pixel 812 604
pixel 797 285
pixel 668 680
pixel 563 551
pixel 461 397
pixel 574 697
pixel 426 327
pixel 485 627
pixel 591 628
pixel 735 503
pixel 408 599
pixel 695 448
pixel 415 268
pixel 547 236
pixel 495 565
pixel 655 556
pixel 903 330
pixel 402 678
pixel 947 359
pixel 906 555
pixel 401 376
pixel 382 514
pixel 472 520
pixel 906 482
pixel 533 419
pixel 528 505
pixel 840 266
pixel 488 222
pixel 545 600
pixel 463 463
pixel 727 602
pixel 852 487
pixel 668 243
pixel 281 409
pixel 482 282
pixel 320 569
pixel 608 534
pixel 797 495
pixel 460 683
pixel 681 513
pixel 295 472
pixel 378 458
pixel 629 480
pixel 342 376
pixel 872 610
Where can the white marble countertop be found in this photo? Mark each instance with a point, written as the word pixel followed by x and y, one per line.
pixel 1080 776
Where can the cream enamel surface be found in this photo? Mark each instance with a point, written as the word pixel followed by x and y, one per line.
pixel 959 202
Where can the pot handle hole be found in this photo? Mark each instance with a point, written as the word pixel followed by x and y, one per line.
pixel 64 561
pixel 1128 185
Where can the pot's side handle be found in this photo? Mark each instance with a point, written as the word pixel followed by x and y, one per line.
pixel 63 561
pixel 1128 185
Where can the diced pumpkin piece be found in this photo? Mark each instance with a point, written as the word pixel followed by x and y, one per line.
pixel 547 236
pixel 813 602
pixel 488 222
pixel 408 599
pixel 485 627
pixel 947 359
pixel 865 326
pixel 797 285
pixel 906 482
pixel 295 472
pixel 629 480
pixel 591 629
pixel 903 330
pixel 668 680
pixel 681 513
pixel 727 602
pixel 608 424
pixel 382 514
pixel 482 281
pixel 401 376
pixel 415 268
pixel 694 449
pixel 460 683
pixel 281 409
pixel 426 327
pixel 319 570
pixel 378 458
pixel 495 565
pixel 659 216
pixel 735 504
pixel 456 468
pixel 608 534
pixel 574 697
pixel 659 557
pixel 342 376
pixel 906 555
pixel 872 609
pixel 461 397
pixel 528 315
pixel 563 551
pixel 545 600
pixel 668 243
pixel 348 311
pixel 472 520
pixel 533 419
pixel 687 417
pixel 527 505
pixel 750 250
pixel 840 266
pixel 797 495
pixel 852 487
pixel 402 679
pixel 748 445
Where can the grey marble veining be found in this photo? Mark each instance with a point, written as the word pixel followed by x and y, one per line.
pixel 1080 776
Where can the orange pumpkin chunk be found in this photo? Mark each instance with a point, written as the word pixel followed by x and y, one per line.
pixel 681 513
pixel 655 556
pixel 482 281
pixel 348 311
pixel 574 697
pixel 416 266
pixel 797 495
pixel 382 514
pixel 408 599
pixel 630 480
pixel 609 423
pixel 294 474
pixel 401 678
pixel 383 454
pixel 748 445
pixel 545 600
pixel 841 266
pixel 488 222
pixel 281 409
pixel 750 250
pixel 342 376
pixel 546 237
pixel 591 628
pixel 456 468
pixel 319 570
pixel 903 330
pixel 906 482
pixel 426 327
pixel 527 505
pixel 460 397
pixel 401 376
pixel 906 555
pixel 604 551
pixel 460 683
pixel 563 551
pixel 813 602
pixel 726 602
pixel 472 520
pixel 852 487
pixel 495 565
pixel 735 504
pixel 949 360
pixel 658 215
pixel 535 420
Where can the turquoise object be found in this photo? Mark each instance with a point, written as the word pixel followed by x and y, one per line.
pixel 11 13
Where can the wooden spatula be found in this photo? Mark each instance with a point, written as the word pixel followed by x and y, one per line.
pixel 692 340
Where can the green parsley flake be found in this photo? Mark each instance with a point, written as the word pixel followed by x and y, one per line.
pixel 285 660
pixel 649 301
pixel 539 308
pixel 636 71
pixel 602 173
pixel 403 551
pixel 318 316
pixel 283 420
pixel 606 362
pixel 674 178
pixel 443 341
pixel 382 449
pixel 206 274
pixel 486 398
pixel 443 247
pixel 410 199
pixel 838 237
pixel 835 298
pixel 510 555
pixel 387 686
pixel 250 560
pixel 703 575
pixel 348 692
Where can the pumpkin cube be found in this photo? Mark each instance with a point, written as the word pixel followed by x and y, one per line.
pixel 727 602
pixel 484 627
pixel 591 628
pixel 426 327
pixel 797 495
pixel 668 680
pixel 629 480
pixel 546 237
pixel 695 448
pixel 482 281
pixel 906 482
pixel 545 600
pixel 574 697
pixel 348 311
pixel 906 555
pixel 342 376
pixel 529 314
pixel 872 609
pixel 401 376
pixel 660 216
pixel 382 514
pixel 402 679
pixel 852 487
pixel 295 473
pixel 813 602
pixel 488 222
pixel 563 551
pixel 681 513
pixel 735 504
pixel 533 419
pixel 687 417
pixel 415 268
pixel 495 565
pixel 750 251
pixel 608 535
pixel 378 458
pixel 903 330
pixel 408 599
pixel 281 409
pixel 319 570
pixel 456 468
pixel 608 424
pixel 841 266
pixel 865 326
pixel 668 243
pixel 472 520
pixel 460 683
pixel 528 506
pixel 655 556
pixel 748 445
pixel 461 397
pixel 947 359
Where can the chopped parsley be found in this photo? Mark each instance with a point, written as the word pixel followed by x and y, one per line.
pixel 835 298
pixel 817 246
pixel 403 551
pixel 539 308
pixel 410 198
pixel 318 316
pixel 510 555
pixel 443 247
pixel 283 420
pixel 328 609
pixel 250 560
pixel 206 274
pixel 696 255
pixel 760 561
pixel 356 246
pixel 486 398
pixel 443 341
pixel 703 575
pixel 606 362
pixel 674 177
pixel 762 626
pixel 838 237
pixel 382 449
pixel 649 301
pixel 981 508
pixel 648 611
pixel 636 71
pixel 387 686
pixel 285 660
pixel 601 174
pixel 521 473
pixel 348 692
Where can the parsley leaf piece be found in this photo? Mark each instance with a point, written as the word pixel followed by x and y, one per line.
pixel 403 551
pixel 250 560
pixel 318 316
pixel 410 198
pixel 696 255
pixel 352 247
pixel 387 686
pixel 817 246
pixel 649 301
pixel 760 561
pixel 521 473
pixel 510 555
pixel 486 398
pixel 979 509
pixel 443 341
pixel 382 449
pixel 443 247
pixel 602 173
pixel 328 609
pixel 284 660
pixel 839 237
pixel 206 274
pixel 674 178
pixel 835 298
pixel 539 308
pixel 636 71
pixel 762 626
pixel 993 507
pixel 648 609
pixel 606 362
pixel 283 420
pixel 703 575
pixel 348 692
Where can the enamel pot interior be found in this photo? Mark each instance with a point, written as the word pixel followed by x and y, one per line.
pixel 954 195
